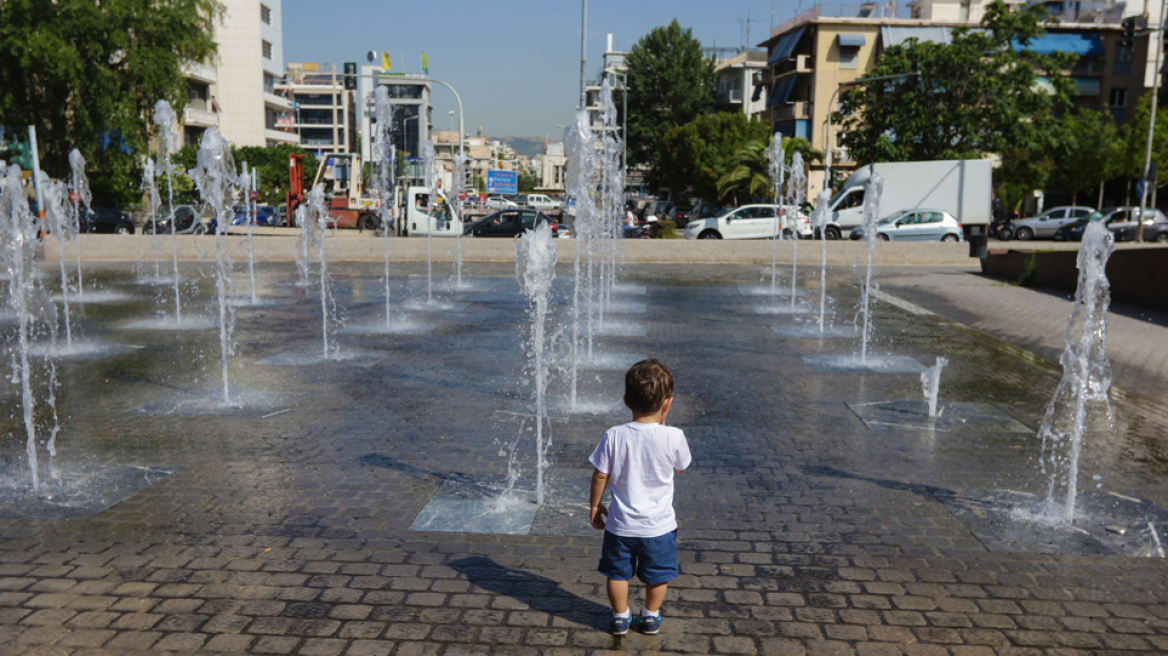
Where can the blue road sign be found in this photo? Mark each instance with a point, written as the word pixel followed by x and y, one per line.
pixel 502 182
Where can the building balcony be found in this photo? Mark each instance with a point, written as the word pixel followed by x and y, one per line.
pixel 202 118
pixel 200 73
pixel 791 111
pixel 276 102
pixel 281 136
pixel 730 97
pixel 797 64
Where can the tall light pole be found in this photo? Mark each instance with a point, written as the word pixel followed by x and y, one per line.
pixel 583 51
pixel 831 103
pixel 1151 124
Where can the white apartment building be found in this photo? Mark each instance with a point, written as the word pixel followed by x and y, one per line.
pixel 410 93
pixel 323 114
pixel 551 166
pixel 736 90
pixel 237 91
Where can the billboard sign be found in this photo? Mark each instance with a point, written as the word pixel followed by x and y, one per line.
pixel 502 182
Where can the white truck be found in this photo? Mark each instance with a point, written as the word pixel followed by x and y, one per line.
pixel 438 218
pixel 962 188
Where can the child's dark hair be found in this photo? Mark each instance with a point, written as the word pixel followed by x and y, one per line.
pixel 647 385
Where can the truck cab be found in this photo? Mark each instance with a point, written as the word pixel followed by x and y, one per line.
pixel 437 218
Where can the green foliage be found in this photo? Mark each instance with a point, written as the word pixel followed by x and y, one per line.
pixel 670 84
pixel 1012 195
pixel 748 177
pixel 272 165
pixel 699 153
pixel 87 75
pixel 980 94
pixel 1088 150
pixel 663 230
pixel 1132 147
pixel 527 182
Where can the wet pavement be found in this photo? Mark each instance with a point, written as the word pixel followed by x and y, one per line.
pixel 284 526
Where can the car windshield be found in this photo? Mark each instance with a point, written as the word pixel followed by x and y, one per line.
pixel 724 211
pixel 1093 216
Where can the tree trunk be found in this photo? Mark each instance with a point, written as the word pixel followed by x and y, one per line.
pixel 1127 193
pixel 1075 197
pixel 1100 204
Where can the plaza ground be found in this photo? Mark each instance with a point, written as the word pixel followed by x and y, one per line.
pixel 805 528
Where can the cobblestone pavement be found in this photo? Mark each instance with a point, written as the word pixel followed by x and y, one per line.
pixel 803 531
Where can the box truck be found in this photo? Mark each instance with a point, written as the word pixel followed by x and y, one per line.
pixel 961 187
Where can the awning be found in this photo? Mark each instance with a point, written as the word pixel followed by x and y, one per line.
pixel 851 40
pixel 1083 44
pixel 894 35
pixel 781 91
pixel 757 92
pixel 786 46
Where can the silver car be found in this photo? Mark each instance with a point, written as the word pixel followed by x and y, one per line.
pixel 1046 224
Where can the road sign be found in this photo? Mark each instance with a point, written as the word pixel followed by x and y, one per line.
pixel 502 182
pixel 254 196
pixel 462 195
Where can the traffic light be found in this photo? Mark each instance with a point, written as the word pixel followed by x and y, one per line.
pixel 1128 38
pixel 21 153
pixel 350 76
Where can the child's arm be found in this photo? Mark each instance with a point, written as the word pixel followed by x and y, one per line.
pixel 596 509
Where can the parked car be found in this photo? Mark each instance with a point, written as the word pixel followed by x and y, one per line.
pixel 512 223
pixel 656 210
pixel 265 215
pixel 1046 224
pixel 705 211
pixel 1073 231
pixel 916 225
pixel 498 202
pixel 187 221
pixel 104 219
pixel 748 222
pixel 679 213
pixel 1124 225
pixel 542 202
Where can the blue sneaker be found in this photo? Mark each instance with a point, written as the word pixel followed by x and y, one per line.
pixel 650 625
pixel 619 625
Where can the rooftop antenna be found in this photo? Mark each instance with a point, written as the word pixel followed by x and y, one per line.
pixel 745 22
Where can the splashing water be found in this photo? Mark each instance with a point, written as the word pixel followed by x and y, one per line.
pixel 612 185
pixel 164 119
pixel 456 189
pixel 1086 375
pixel 776 160
pixel 535 267
pixel 430 167
pixel 304 242
pixel 819 223
pixel 796 192
pixel 247 185
pixel 580 147
pixel 385 156
pixel 81 194
pixel 931 384
pixel 63 230
pixel 318 213
pixel 214 175
pixel 153 201
pixel 30 304
pixel 871 218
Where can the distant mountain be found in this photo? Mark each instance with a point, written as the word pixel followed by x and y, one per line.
pixel 527 146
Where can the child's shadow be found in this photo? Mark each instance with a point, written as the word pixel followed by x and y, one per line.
pixel 542 594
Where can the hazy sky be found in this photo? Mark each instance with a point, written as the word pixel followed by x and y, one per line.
pixel 516 63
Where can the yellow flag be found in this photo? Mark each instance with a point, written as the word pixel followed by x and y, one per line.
pixel 384 61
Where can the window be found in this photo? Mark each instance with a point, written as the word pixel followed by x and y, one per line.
pixel 266 14
pixel 934 217
pixel 1122 63
pixel 269 83
pixel 267 50
pixel 1078 214
pixel 1118 99
pixel 849 58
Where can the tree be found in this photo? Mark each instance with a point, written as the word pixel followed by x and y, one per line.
pixel 978 95
pixel 670 84
pixel 699 153
pixel 1086 151
pixel 749 178
pixel 1132 150
pixel 87 74
pixel 271 163
pixel 527 182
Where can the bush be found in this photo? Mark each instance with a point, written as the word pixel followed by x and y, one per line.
pixel 663 230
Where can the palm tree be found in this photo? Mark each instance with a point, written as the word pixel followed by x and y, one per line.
pixel 748 174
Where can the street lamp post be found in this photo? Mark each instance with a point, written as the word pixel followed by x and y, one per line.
pixel 831 103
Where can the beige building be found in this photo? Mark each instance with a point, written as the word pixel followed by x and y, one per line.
pixel 550 167
pixel 323 114
pixel 812 54
pixel 736 90
pixel 237 91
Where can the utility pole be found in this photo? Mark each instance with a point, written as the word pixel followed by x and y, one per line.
pixel 1151 120
pixel 583 50
pixel 745 23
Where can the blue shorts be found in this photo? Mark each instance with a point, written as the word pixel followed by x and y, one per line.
pixel 653 560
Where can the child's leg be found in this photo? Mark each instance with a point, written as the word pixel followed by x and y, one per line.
pixel 654 595
pixel 618 596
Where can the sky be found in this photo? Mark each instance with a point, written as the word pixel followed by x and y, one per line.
pixel 515 63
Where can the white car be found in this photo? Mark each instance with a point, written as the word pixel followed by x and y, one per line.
pixel 916 225
pixel 500 203
pixel 1045 225
pixel 541 202
pixel 749 222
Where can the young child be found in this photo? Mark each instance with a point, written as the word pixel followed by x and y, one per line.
pixel 638 460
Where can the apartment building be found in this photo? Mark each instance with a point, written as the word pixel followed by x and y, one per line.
pixel 410 93
pixel 237 91
pixel 814 52
pixel 551 166
pixel 323 112
pixel 736 79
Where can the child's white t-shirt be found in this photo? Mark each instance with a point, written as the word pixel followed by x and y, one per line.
pixel 639 460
